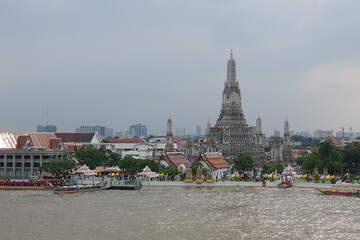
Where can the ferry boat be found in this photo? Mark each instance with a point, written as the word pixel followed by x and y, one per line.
pixel 340 191
pixel 287 177
pixel 25 184
pixel 79 189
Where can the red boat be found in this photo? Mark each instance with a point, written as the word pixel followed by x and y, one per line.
pixel 24 184
pixel 284 185
pixel 340 191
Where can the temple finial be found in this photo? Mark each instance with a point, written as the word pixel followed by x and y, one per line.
pixel 231 54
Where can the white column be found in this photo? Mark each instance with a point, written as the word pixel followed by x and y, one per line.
pixel 13 172
pixel 5 165
pixel 31 165
pixel 22 166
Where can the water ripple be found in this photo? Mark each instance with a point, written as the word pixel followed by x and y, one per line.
pixel 180 213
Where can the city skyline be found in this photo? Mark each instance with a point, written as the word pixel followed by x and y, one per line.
pixel 118 63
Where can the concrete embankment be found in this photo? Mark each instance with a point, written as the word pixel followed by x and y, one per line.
pixel 232 184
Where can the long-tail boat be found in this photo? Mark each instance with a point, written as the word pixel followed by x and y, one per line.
pixel 340 191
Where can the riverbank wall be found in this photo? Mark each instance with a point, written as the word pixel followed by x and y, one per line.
pixel 234 184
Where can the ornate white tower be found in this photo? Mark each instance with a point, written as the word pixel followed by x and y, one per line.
pixel 259 156
pixel 207 129
pixel 287 155
pixel 169 147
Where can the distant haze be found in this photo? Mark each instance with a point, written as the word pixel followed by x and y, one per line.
pixel 118 63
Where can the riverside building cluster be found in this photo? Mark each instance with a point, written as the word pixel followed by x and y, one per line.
pixel 23 155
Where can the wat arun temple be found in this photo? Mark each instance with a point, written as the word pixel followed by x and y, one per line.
pixel 231 133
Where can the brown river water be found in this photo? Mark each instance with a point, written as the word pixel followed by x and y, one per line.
pixel 179 212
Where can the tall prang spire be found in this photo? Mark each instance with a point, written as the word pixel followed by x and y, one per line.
pixel 169 127
pixel 259 155
pixel 258 125
pixel 231 69
pixel 286 127
pixel 231 132
pixel 207 129
pixel 231 107
pixel 169 146
pixel 287 139
pixel 287 155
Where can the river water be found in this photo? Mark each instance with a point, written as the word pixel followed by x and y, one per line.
pixel 179 212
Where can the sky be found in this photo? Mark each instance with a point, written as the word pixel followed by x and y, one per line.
pixel 118 63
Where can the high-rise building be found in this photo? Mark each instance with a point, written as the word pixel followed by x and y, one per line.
pixel 47 128
pixel 198 131
pixel 138 130
pixel 40 128
pixel 304 134
pixel 231 132
pixel 91 129
pixel 322 134
pixel 109 132
pixel 180 132
pixel 277 133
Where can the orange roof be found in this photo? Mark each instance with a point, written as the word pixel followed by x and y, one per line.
pixel 334 140
pixel 175 159
pixel 213 160
pixel 19 140
pixel 131 140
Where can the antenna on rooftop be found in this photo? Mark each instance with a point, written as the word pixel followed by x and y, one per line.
pixel 47 116
pixel 350 130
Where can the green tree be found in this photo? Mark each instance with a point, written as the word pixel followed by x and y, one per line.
pixel 271 168
pixel 311 161
pixel 60 167
pixel 279 167
pixel 331 157
pixel 326 155
pixel 172 172
pixel 352 158
pixel 243 162
pixel 153 165
pixel 113 158
pixel 130 164
pixel 268 168
pixel 92 157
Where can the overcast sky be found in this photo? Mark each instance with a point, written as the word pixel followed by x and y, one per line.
pixel 118 63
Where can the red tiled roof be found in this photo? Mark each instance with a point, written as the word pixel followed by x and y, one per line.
pixel 175 159
pixel 131 140
pixel 21 141
pixel 76 137
pixel 334 140
pixel 213 160
pixel 55 143
pixel 70 147
pixel 18 140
